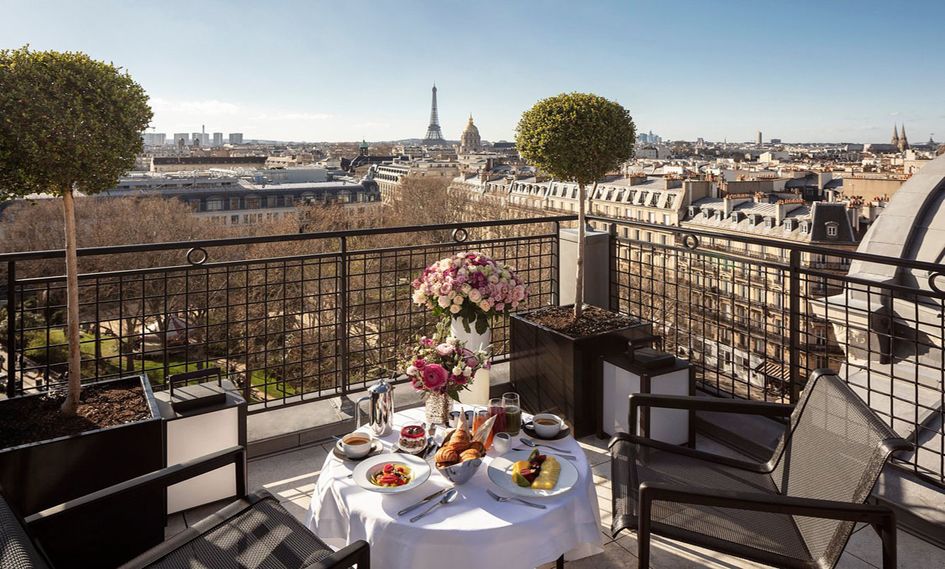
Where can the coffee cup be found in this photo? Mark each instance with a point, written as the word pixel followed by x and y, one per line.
pixel 356 445
pixel 547 425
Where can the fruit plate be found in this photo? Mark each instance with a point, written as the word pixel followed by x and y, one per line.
pixel 500 472
pixel 363 472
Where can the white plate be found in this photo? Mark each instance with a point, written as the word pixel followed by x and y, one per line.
pixel 367 467
pixel 500 472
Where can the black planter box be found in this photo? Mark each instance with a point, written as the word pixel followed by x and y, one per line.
pixel 39 475
pixel 556 373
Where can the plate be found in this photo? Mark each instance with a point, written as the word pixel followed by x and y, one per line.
pixel 368 467
pixel 500 472
pixel 339 453
pixel 529 430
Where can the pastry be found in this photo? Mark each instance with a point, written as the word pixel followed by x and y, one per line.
pixel 470 454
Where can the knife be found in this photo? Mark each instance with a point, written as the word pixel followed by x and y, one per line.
pixel 421 502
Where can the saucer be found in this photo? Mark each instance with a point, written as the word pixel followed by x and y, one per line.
pixel 529 430
pixel 376 448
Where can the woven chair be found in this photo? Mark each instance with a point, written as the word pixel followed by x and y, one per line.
pixel 796 510
pixel 252 532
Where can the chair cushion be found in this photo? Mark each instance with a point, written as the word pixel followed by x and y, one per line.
pixel 16 549
pixel 634 464
pixel 264 536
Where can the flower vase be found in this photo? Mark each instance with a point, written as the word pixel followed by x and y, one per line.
pixel 478 392
pixel 437 408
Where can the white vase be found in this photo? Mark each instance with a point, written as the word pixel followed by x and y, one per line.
pixel 478 392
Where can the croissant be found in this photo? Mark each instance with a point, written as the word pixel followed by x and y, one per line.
pixel 470 454
pixel 460 436
pixel 447 455
pixel 476 445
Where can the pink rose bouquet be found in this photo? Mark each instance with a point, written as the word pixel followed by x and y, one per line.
pixel 443 364
pixel 469 286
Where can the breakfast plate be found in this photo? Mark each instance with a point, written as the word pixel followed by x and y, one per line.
pixel 368 471
pixel 500 472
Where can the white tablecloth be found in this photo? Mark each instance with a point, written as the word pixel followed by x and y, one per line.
pixel 473 532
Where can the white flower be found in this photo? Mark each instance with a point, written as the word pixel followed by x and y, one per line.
pixel 475 295
pixel 467 371
pixel 458 370
pixel 457 299
pixel 443 301
pixel 485 305
pixel 411 370
pixel 419 297
pixel 455 308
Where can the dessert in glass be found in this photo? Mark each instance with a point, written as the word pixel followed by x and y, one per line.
pixel 413 438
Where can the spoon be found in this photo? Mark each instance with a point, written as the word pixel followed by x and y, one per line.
pixel 533 444
pixel 446 499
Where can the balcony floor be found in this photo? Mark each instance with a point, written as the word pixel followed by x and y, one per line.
pixel 291 477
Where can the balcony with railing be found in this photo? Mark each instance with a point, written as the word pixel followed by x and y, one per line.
pixel 303 318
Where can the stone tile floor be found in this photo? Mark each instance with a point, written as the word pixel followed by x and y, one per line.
pixel 291 477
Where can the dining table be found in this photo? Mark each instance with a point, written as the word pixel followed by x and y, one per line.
pixel 475 531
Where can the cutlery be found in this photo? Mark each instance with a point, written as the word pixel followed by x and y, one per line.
pixel 560 454
pixel 432 447
pixel 422 502
pixel 533 444
pixel 518 500
pixel 446 499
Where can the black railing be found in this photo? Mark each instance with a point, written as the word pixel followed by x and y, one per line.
pixel 301 317
pixel 290 318
pixel 757 317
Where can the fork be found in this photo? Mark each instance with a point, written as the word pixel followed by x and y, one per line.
pixel 559 454
pixel 513 499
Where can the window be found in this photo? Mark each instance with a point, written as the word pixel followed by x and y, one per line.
pixel 234 219
pixel 832 229
pixel 666 219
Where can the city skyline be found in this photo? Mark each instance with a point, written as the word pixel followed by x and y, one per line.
pixel 804 72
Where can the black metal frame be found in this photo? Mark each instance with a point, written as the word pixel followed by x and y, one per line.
pixel 880 517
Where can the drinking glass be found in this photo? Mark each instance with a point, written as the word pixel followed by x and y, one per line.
pixel 513 413
pixel 497 410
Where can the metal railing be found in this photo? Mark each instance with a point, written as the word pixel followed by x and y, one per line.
pixel 289 318
pixel 756 326
pixel 302 317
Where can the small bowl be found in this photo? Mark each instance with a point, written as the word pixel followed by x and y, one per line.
pixel 461 473
pixel 357 450
pixel 547 431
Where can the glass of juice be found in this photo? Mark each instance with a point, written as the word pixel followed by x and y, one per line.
pixel 513 413
pixel 497 410
pixel 481 417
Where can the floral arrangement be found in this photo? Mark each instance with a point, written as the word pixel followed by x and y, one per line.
pixel 442 364
pixel 470 286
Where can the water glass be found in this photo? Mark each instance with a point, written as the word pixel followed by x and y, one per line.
pixel 513 413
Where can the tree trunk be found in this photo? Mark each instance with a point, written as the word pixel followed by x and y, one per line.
pixel 71 403
pixel 579 281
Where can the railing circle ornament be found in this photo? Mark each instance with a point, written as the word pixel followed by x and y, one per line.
pixel 460 235
pixel 690 241
pixel 932 284
pixel 197 256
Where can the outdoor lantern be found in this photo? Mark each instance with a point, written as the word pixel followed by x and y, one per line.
pixel 645 370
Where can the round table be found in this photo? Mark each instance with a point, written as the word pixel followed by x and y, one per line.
pixel 473 532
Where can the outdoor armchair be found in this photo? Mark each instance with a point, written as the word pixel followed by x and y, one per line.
pixel 796 510
pixel 254 531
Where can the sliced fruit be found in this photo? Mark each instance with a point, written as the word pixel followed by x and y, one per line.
pixel 548 477
pixel 517 473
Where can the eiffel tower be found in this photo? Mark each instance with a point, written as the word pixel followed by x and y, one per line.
pixel 434 135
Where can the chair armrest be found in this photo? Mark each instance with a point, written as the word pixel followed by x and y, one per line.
pixel 164 477
pixel 358 552
pixel 689 452
pixel 715 404
pixel 774 503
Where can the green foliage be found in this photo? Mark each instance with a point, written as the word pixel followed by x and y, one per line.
pixel 576 137
pixel 66 121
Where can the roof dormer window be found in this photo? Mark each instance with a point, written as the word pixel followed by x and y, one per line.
pixel 833 229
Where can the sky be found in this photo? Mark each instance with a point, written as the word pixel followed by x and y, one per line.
pixel 801 71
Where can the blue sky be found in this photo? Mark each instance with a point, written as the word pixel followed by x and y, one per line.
pixel 831 70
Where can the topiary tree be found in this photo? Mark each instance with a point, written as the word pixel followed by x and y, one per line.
pixel 68 123
pixel 576 137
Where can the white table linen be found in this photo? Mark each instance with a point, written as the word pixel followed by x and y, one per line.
pixel 473 532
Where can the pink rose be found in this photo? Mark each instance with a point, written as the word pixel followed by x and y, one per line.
pixel 444 350
pixel 419 363
pixel 434 377
pixel 460 379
